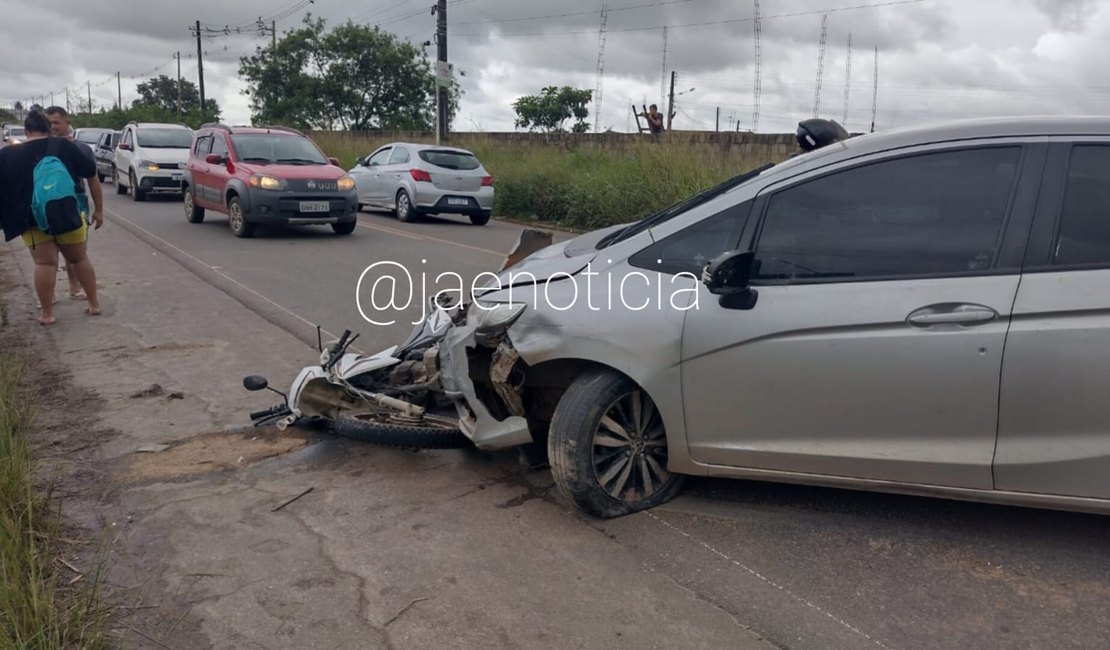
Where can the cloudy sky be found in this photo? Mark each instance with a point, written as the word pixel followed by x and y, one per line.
pixel 938 59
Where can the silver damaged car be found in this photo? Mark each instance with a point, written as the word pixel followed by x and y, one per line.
pixel 923 310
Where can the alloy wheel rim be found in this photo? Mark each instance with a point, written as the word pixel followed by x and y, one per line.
pixel 629 448
pixel 236 216
pixel 403 205
pixel 188 204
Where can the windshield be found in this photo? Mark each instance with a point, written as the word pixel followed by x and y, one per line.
pixel 164 138
pixel 89 137
pixel 271 148
pixel 679 208
pixel 17 130
pixel 449 159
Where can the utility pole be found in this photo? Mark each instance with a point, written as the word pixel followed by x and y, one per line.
pixel 200 68
pixel 847 81
pixel 51 97
pixel 663 77
pixel 273 34
pixel 718 119
pixel 670 107
pixel 178 57
pixel 90 97
pixel 68 109
pixel 119 92
pixel 758 67
pixel 441 55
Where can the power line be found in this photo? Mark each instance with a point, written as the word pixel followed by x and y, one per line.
pixel 572 13
pixel 795 14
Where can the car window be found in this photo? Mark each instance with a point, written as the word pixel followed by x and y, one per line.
pixel 219 145
pixel 691 249
pixel 449 159
pixel 939 213
pixel 126 137
pixel 1084 236
pixel 380 157
pixel 164 138
pixel 400 156
pixel 204 145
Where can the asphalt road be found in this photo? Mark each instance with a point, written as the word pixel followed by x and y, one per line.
pixel 802 567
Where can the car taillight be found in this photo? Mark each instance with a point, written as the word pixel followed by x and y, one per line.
pixel 420 175
pixel 487 181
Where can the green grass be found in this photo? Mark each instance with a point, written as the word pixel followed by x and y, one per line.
pixel 39 609
pixel 584 188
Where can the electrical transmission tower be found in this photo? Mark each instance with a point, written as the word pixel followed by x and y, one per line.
pixel 758 67
pixel 663 81
pixel 600 65
pixel 820 64
pixel 847 81
pixel 875 96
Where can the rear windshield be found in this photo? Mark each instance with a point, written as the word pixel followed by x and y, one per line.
pixel 89 137
pixel 449 159
pixel 165 138
pixel 284 149
pixel 17 130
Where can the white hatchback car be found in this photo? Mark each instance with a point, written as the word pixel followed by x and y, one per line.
pixel 150 157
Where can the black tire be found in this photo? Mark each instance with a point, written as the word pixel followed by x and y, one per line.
pixel 120 189
pixel 480 219
pixel 575 458
pixel 405 211
pixel 389 434
pixel 136 193
pixel 100 177
pixel 193 212
pixel 344 228
pixel 237 219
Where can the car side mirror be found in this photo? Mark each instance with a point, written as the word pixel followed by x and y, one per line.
pixel 334 161
pixel 361 162
pixel 215 159
pixel 729 276
pixel 125 147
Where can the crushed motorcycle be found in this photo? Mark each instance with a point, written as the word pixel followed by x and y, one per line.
pixel 393 397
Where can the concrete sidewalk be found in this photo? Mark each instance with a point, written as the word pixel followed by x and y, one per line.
pixel 385 549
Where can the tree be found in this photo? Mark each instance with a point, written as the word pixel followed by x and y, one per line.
pixel 552 107
pixel 161 93
pixel 354 77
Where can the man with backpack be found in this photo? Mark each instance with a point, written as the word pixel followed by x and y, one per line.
pixel 39 201
pixel 59 126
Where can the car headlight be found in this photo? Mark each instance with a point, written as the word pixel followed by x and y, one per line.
pixel 346 183
pixel 265 182
pixel 492 317
pixel 148 165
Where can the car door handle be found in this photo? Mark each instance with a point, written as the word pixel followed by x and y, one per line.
pixel 952 314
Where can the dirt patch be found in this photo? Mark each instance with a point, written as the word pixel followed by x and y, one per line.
pixel 207 453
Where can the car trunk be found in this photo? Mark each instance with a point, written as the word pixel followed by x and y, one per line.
pixel 456 181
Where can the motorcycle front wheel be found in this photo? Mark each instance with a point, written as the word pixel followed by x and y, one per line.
pixel 428 432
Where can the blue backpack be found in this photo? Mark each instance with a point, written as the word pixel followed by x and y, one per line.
pixel 55 203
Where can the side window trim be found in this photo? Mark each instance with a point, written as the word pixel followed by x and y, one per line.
pixel 763 203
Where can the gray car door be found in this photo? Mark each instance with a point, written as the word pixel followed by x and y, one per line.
pixel 375 189
pixel 874 346
pixel 1054 420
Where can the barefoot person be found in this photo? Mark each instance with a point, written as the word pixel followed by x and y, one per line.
pixel 17 184
pixel 59 126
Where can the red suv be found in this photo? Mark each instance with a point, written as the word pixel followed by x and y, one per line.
pixel 266 175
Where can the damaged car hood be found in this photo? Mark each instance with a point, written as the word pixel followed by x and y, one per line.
pixel 565 258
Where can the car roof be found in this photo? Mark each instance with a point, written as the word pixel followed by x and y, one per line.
pixel 160 125
pixel 420 146
pixel 950 131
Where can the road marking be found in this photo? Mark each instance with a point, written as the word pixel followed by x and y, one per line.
pixel 435 239
pixel 216 270
pixel 767 580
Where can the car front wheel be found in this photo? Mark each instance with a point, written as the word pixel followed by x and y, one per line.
pixel 240 227
pixel 120 189
pixel 136 193
pixel 193 213
pixel 608 448
pixel 344 228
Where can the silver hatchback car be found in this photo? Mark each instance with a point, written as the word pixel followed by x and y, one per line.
pixel 415 179
pixel 923 310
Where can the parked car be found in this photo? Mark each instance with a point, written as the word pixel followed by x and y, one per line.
pixel 268 175
pixel 14 134
pixel 150 158
pixel 105 153
pixel 922 310
pixel 89 136
pixel 416 179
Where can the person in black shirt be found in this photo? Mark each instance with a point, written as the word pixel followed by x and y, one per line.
pixel 17 174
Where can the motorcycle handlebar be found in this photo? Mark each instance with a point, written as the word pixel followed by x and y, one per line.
pixel 273 410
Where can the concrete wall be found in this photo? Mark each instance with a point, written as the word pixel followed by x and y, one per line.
pixel 771 144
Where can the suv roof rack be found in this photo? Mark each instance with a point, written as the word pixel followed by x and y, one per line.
pixel 216 125
pixel 283 128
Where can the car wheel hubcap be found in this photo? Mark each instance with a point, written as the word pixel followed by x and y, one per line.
pixel 403 205
pixel 630 448
pixel 188 204
pixel 236 217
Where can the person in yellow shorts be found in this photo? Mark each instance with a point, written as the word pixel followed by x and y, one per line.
pixel 17 184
